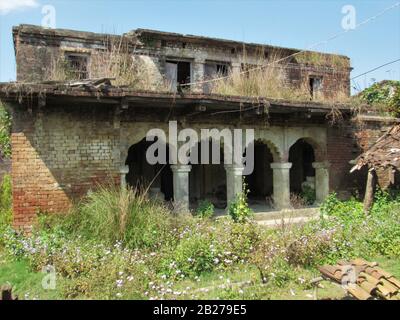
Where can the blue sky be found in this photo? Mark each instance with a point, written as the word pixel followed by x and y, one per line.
pixel 296 24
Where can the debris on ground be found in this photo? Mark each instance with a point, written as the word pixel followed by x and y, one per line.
pixel 363 280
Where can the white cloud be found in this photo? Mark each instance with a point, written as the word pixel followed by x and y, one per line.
pixel 7 6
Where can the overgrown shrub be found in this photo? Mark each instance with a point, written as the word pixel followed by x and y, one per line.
pixel 205 209
pixel 360 234
pixel 5 127
pixel 207 245
pixel 5 201
pixel 297 201
pixel 239 210
pixel 308 194
pixel 385 94
pixel 117 60
pixel 265 254
pixel 194 255
pixel 309 247
pixel 111 214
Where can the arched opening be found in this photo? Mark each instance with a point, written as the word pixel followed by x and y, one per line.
pixel 259 182
pixel 302 173
pixel 157 178
pixel 208 181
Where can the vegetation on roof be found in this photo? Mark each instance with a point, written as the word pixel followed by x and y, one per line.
pixel 322 59
pixel 272 81
pixel 115 61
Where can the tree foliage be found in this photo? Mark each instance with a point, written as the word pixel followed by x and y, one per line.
pixel 386 93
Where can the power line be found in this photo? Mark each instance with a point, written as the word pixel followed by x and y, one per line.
pixel 301 51
pixel 381 66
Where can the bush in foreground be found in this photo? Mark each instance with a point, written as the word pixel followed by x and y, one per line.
pixel 108 215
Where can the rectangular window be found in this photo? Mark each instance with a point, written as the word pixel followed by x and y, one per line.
pixel 315 86
pixel 78 64
pixel 177 72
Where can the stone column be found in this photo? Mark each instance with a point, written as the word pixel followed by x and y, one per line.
pixel 123 170
pixel 281 184
pixel 198 74
pixel 236 67
pixel 321 180
pixel 234 182
pixel 181 187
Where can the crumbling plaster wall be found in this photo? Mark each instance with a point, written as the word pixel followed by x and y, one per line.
pixel 37 54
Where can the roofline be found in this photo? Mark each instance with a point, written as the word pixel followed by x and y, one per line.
pixel 12 91
pixel 233 43
pixel 61 33
pixel 85 35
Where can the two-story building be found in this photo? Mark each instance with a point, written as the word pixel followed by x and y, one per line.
pixel 70 133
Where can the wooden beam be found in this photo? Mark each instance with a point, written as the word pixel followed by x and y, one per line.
pixel 370 190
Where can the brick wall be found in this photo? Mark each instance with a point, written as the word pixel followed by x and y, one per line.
pixel 345 143
pixel 58 158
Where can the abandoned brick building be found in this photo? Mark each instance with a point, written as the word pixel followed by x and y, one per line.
pixel 67 136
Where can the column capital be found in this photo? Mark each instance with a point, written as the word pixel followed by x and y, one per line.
pixel 236 64
pixel 181 168
pixel 234 167
pixel 281 165
pixel 321 165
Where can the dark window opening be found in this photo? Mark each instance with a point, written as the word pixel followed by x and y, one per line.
pixel 178 72
pixel 78 64
pixel 222 69
pixel 315 85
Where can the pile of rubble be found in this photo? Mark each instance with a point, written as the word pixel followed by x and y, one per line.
pixel 363 280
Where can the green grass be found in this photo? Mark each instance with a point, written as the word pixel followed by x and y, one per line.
pixel 26 283
pixel 239 283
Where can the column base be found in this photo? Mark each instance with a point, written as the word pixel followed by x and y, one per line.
pixel 181 187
